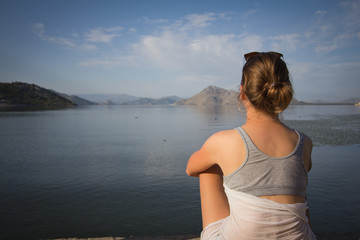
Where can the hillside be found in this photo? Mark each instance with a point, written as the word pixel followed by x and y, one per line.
pixel 75 99
pixel 30 95
pixel 212 96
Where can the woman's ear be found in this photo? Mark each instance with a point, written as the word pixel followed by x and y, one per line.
pixel 242 94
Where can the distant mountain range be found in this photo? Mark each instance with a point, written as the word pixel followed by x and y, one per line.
pixel 151 101
pixel 23 94
pixel 213 95
pixel 124 99
pixel 18 94
pixel 109 98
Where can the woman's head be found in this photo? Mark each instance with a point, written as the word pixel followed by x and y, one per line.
pixel 266 82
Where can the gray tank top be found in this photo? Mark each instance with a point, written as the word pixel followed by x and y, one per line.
pixel 262 175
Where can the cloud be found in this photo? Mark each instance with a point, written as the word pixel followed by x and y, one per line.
pixel 88 47
pixel 201 20
pixel 338 29
pixel 39 29
pixel 208 59
pixel 248 13
pixel 109 62
pixel 103 35
pixel 326 47
pixel 190 56
pixel 154 21
pixel 325 80
pixel 287 42
pixel 320 13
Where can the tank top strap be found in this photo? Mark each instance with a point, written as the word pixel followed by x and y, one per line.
pixel 247 140
pixel 251 147
pixel 299 147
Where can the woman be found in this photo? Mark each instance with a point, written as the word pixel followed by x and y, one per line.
pixel 253 179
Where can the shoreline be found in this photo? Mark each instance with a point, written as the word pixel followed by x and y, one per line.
pixel 319 236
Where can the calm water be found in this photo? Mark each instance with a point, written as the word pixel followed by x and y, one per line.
pixel 103 171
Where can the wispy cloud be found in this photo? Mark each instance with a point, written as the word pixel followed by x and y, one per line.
pixel 248 13
pixel 334 78
pixel 193 57
pixel 103 35
pixel 88 47
pixel 194 51
pixel 69 43
pixel 287 41
pixel 109 62
pixel 39 29
pixel 201 20
pixel 337 30
pixel 154 21
pixel 320 13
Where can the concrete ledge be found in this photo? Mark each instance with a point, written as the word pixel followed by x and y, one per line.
pixel 319 236
pixel 173 237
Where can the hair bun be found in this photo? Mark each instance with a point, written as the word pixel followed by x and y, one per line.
pixel 266 83
pixel 276 85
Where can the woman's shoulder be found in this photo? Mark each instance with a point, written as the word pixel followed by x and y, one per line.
pixel 223 140
pixel 224 135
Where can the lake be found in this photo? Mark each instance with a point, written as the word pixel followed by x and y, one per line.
pixel 120 170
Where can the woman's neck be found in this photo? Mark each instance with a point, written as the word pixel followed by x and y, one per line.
pixel 254 115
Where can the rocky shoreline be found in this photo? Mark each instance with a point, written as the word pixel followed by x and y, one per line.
pixel 320 236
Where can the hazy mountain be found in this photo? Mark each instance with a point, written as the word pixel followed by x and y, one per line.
pixel 114 98
pixel 176 98
pixel 31 95
pixel 352 100
pixel 212 96
pixel 151 101
pixel 75 99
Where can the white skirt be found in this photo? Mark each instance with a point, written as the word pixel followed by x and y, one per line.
pixel 253 218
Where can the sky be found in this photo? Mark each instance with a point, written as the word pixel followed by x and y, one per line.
pixel 160 48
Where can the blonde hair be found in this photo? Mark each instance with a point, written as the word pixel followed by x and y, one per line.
pixel 266 82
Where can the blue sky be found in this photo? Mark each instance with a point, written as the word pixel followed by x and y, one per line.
pixel 173 47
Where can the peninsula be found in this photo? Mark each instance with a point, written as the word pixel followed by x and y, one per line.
pixel 18 94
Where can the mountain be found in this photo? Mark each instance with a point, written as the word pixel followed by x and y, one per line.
pixel 75 99
pixel 176 98
pixel 212 95
pixel 151 101
pixel 294 101
pixel 20 94
pixel 113 98
pixel 352 100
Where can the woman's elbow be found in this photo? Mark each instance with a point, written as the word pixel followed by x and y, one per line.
pixel 191 173
pixel 190 170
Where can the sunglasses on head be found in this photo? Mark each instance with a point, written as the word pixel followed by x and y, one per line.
pixel 250 55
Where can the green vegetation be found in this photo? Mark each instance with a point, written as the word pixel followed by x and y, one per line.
pixel 30 95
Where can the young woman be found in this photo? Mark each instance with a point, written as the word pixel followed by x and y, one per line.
pixel 253 179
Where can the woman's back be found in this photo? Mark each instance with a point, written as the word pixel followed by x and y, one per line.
pixel 253 179
pixel 272 139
